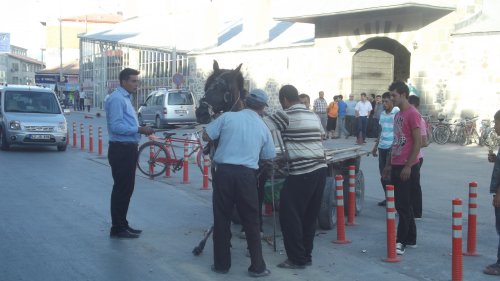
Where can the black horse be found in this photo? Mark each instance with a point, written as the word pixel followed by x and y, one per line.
pixel 223 92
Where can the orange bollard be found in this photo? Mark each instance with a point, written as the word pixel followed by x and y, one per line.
pixel 185 167
pixel 74 134
pixel 340 211
pixel 82 137
pixel 456 256
pixel 151 164
pixel 391 225
pixel 206 161
pixel 99 140
pixel 91 139
pixel 471 225
pixel 351 212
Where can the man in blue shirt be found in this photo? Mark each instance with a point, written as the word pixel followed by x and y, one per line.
pixel 243 140
pixel 124 136
pixel 341 117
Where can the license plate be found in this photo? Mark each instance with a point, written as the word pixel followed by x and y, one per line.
pixel 181 111
pixel 41 137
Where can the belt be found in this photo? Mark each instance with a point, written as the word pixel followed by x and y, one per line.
pixel 123 143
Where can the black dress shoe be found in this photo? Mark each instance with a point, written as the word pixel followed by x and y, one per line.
pixel 219 271
pixel 266 272
pixel 134 231
pixel 123 234
pixel 382 203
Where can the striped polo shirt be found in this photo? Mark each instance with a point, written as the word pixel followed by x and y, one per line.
pixel 386 122
pixel 301 132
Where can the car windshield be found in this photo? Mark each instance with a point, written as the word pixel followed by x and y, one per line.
pixel 180 98
pixel 31 102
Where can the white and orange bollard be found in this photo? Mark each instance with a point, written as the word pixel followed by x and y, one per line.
pixel 74 134
pixel 99 140
pixel 456 255
pixel 391 225
pixel 351 211
pixel 185 167
pixel 206 162
pixel 339 182
pixel 82 137
pixel 472 221
pixel 91 139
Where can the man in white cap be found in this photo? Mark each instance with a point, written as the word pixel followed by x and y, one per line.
pixel 243 139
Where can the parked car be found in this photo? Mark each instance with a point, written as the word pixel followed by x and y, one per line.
pixel 31 115
pixel 168 107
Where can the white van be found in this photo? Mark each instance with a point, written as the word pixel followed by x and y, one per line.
pixel 31 115
pixel 168 107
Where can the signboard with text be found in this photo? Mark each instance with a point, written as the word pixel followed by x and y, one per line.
pixel 4 42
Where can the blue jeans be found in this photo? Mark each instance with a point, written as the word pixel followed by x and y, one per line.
pixel 342 129
pixel 362 123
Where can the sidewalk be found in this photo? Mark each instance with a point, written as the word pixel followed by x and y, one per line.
pixel 93 112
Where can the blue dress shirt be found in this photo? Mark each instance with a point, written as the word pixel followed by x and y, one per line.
pixel 243 139
pixel 121 117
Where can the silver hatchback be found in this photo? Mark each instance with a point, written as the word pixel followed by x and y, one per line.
pixel 31 116
pixel 168 107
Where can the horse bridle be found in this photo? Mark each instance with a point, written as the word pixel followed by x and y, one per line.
pixel 219 81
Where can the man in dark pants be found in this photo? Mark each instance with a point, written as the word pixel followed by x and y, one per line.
pixel 300 198
pixel 243 139
pixel 124 135
pixel 404 166
pixel 384 142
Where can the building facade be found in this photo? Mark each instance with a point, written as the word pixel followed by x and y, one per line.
pixel 17 68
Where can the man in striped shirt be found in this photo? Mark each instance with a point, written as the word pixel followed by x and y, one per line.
pixel 386 137
pixel 320 107
pixel 300 198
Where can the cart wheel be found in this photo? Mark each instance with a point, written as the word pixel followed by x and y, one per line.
pixel 359 186
pixel 327 218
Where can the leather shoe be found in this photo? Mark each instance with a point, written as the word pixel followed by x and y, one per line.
pixel 288 264
pixel 266 272
pixel 219 271
pixel 134 231
pixel 123 234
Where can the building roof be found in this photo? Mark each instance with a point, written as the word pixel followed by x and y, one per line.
pixel 69 68
pixel 485 22
pixel 26 59
pixel 96 18
pixel 297 11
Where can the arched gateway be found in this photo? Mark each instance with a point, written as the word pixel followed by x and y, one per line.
pixel 377 62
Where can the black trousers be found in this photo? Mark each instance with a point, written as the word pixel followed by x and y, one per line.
pixel 122 158
pixel 236 185
pixel 351 124
pixel 416 194
pixel 300 202
pixel 382 158
pixel 407 230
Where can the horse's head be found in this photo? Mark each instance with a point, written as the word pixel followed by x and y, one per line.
pixel 223 92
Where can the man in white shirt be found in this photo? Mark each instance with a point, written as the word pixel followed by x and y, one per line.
pixel 82 100
pixel 363 109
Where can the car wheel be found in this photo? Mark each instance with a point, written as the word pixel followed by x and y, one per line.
pixel 62 147
pixel 4 144
pixel 158 122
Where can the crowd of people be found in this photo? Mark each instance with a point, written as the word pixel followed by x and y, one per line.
pixel 400 139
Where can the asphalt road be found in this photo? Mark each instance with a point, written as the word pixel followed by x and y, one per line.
pixel 54 214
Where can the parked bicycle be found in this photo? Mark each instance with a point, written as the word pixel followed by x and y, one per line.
pixel 159 154
pixel 487 135
pixel 469 133
pixel 442 131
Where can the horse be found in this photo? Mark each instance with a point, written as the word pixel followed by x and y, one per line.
pixel 224 91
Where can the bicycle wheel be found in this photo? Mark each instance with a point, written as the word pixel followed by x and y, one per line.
pixel 153 159
pixel 200 163
pixel 441 134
